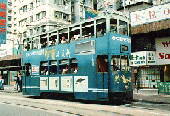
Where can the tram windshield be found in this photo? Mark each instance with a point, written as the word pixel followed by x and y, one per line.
pixel 120 63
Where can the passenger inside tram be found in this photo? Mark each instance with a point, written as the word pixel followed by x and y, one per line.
pixel 100 33
pixel 65 71
pixel 44 45
pixel 72 39
pixel 63 41
pixel 53 43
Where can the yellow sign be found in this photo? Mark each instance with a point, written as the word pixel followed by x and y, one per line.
pixel 117 78
pixel 52 53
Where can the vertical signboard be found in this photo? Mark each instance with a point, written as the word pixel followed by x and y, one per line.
pixel 162 50
pixel 3 8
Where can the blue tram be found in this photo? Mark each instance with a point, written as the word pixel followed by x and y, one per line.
pixel 87 60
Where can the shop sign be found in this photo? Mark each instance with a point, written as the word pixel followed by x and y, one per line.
pixel 5 53
pixel 143 58
pixel 153 14
pixel 3 13
pixel 162 50
pixel 35 70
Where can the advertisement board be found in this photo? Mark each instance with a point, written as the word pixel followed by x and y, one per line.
pixel 3 9
pixel 162 50
pixel 153 14
pixel 143 58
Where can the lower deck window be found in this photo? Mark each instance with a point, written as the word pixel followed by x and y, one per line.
pixel 43 68
pixel 102 63
pixel 53 67
pixel 74 66
pixel 115 63
pixel 63 66
pixel 120 63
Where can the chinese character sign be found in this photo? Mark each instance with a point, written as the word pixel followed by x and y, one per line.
pixel 149 15
pixel 3 8
pixel 162 50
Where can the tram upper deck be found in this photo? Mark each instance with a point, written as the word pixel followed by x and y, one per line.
pixel 90 28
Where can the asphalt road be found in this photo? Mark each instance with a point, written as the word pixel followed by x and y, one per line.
pixel 12 110
pixel 14 104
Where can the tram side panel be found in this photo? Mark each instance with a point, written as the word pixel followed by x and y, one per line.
pixel 120 85
pixel 31 79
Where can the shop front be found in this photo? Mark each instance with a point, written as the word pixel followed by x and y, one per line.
pixel 147 74
pixel 9 66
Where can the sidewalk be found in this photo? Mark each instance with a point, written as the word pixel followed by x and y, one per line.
pixel 142 95
pixel 9 89
pixel 150 95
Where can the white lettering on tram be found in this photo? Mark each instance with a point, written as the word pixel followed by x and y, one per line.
pixel 122 39
pixel 65 53
pixel 35 53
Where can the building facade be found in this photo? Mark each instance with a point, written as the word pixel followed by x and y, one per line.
pixel 150 45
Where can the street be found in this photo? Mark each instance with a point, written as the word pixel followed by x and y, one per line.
pixel 16 104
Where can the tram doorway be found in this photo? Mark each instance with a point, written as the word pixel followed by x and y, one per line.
pixel 102 76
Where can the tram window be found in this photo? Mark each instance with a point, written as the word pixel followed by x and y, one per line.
pixel 113 26
pixel 63 66
pixel 115 63
pixel 88 30
pixel 124 62
pixel 102 63
pixel 101 27
pixel 53 67
pixel 74 66
pixel 123 27
pixel 43 68
pixel 28 69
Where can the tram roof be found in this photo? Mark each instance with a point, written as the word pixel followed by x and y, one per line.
pixel 75 26
pixel 114 14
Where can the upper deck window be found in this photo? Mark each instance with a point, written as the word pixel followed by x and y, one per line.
pixel 113 26
pixel 123 29
pixel 101 27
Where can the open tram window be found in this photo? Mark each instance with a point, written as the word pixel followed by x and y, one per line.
pixel 87 30
pixel 63 66
pixel 101 27
pixel 43 68
pixel 125 63
pixel 113 26
pixel 53 67
pixel 102 63
pixel 74 66
pixel 28 69
pixel 123 28
pixel 115 63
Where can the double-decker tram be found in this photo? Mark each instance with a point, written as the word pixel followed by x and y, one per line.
pixel 87 60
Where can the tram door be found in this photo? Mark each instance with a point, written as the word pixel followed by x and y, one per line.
pixel 102 76
pixel 30 83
